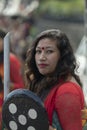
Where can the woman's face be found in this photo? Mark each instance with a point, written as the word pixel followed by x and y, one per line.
pixel 47 56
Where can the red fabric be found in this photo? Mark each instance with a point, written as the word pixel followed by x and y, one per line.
pixel 1 103
pixel 15 77
pixel 67 100
pixel 15 72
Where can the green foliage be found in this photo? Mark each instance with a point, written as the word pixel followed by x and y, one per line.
pixel 66 7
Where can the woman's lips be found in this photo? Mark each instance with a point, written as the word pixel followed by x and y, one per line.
pixel 42 65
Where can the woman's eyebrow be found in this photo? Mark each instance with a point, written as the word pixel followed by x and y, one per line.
pixel 45 47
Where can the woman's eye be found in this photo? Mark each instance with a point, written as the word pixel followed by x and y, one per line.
pixel 49 51
pixel 38 51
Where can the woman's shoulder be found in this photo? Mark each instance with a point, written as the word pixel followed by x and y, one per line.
pixel 69 87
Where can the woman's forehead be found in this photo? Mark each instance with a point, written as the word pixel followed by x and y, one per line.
pixel 46 43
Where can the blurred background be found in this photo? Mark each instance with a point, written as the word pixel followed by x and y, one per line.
pixel 24 19
pixel 29 17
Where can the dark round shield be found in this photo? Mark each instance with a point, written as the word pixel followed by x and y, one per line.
pixel 23 110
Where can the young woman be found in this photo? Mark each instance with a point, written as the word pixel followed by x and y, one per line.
pixel 51 68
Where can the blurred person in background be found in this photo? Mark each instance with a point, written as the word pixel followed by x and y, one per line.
pixel 16 79
pixel 21 35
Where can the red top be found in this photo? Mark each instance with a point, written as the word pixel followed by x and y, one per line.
pixel 67 101
pixel 16 72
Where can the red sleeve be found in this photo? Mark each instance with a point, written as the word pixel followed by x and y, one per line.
pixel 68 105
pixel 15 72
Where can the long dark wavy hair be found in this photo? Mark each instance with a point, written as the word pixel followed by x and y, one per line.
pixel 65 66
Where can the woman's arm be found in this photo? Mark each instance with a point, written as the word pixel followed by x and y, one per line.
pixel 68 108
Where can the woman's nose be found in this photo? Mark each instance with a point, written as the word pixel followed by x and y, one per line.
pixel 42 56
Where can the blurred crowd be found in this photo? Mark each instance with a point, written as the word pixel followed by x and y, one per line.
pixel 17 17
pixel 20 35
